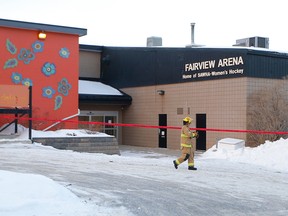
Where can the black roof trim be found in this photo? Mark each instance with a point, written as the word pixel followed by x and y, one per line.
pixel 269 53
pixel 90 79
pixel 43 27
pixel 106 99
pixel 123 99
pixel 249 50
pixel 91 48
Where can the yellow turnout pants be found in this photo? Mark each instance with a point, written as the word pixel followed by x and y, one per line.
pixel 186 152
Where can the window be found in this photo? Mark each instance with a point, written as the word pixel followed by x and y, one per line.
pixel 95 119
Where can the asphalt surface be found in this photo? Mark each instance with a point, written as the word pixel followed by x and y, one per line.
pixel 152 188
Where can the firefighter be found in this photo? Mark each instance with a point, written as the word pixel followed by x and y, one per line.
pixel 187 149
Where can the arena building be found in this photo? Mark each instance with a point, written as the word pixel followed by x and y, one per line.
pixel 212 85
pixel 150 86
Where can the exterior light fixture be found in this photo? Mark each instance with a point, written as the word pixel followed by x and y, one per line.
pixel 161 92
pixel 42 35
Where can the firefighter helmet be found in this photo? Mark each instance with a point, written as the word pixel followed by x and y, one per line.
pixel 187 119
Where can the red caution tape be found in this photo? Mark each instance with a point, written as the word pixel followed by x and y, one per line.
pixel 147 126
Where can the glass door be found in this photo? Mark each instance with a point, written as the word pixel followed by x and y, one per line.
pixel 95 118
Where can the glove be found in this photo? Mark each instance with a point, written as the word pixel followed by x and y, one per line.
pixel 195 134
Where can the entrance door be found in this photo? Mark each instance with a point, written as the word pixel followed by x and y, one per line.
pixel 99 116
pixel 162 131
pixel 201 140
pixel 111 130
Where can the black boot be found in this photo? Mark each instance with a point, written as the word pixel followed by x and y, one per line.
pixel 192 168
pixel 175 164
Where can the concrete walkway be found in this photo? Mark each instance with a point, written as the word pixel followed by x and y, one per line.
pixel 144 181
pixel 161 151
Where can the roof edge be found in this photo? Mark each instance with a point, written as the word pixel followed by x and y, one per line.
pixel 106 99
pixel 42 27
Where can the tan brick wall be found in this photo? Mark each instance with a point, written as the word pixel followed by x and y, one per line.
pixel 89 64
pixel 223 101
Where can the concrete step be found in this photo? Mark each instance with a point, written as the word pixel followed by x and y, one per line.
pixel 8 136
pixel 106 145
pixel 13 141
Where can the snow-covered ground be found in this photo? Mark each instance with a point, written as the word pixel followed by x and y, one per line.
pixel 43 181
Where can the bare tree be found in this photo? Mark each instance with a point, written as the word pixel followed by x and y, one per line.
pixel 267 111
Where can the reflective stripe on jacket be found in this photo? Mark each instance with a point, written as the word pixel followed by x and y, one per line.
pixel 186 136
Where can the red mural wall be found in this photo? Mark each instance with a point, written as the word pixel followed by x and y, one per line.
pixel 50 66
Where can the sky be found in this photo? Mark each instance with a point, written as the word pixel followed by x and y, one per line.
pixel 130 22
pixel 20 191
